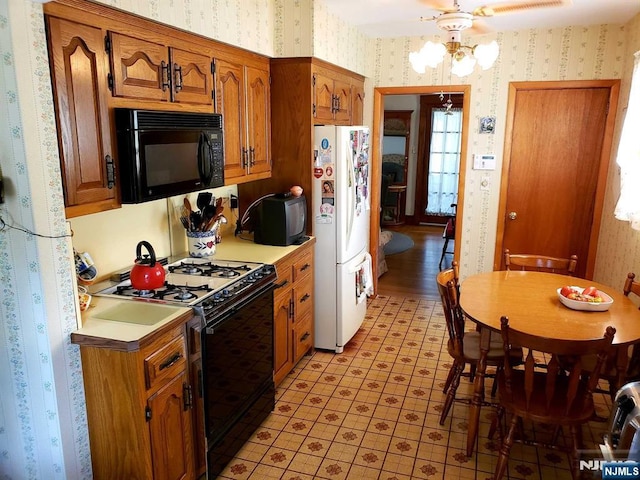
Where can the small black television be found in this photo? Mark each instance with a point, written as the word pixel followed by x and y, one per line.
pixel 282 220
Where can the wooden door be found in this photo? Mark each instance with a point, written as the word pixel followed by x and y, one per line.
pixel 258 120
pixel 425 133
pixel 282 339
pixel 357 104
pixel 192 77
pixel 140 68
pixel 230 102
pixel 342 95
pixel 79 70
pixel 557 150
pixel 322 99
pixel 171 432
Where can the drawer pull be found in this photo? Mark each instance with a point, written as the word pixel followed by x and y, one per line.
pixel 170 361
pixel 280 285
pixel 305 266
pixel 305 297
pixel 305 336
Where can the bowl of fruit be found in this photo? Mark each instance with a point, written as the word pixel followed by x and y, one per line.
pixel 589 299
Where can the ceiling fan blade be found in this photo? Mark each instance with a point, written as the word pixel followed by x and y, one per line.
pixel 440 5
pixel 479 28
pixel 511 7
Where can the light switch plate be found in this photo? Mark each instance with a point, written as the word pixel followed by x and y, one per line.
pixel 484 161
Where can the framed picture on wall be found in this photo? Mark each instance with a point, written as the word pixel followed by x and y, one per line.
pixel 487 124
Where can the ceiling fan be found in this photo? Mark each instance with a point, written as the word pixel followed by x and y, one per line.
pixel 454 19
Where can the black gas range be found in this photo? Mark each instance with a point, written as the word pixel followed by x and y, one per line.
pixel 235 375
pixel 208 284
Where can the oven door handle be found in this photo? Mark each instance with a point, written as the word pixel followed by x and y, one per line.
pixel 220 321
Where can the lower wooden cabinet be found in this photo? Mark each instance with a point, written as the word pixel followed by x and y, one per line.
pixel 293 310
pixel 139 407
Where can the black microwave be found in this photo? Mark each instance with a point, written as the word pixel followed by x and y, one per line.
pixel 162 154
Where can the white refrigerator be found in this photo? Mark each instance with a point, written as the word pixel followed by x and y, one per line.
pixel 341 210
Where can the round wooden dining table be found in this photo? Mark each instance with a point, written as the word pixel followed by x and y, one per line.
pixel 530 301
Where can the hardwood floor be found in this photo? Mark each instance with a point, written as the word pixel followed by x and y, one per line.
pixel 413 272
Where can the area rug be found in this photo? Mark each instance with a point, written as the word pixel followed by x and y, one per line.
pixel 399 243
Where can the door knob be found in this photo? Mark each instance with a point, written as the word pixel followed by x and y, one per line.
pixel 513 215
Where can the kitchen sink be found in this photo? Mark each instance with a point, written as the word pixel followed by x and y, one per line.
pixel 140 313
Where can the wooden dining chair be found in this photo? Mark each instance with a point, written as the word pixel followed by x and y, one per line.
pixel 619 370
pixel 551 396
pixel 463 346
pixel 540 263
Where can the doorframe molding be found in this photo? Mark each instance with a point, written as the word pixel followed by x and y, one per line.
pixel 376 160
pixel 605 158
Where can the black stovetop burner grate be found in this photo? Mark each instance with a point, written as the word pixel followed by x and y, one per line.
pixel 209 269
pixel 178 293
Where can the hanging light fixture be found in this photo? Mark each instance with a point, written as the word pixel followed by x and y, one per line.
pixel 463 57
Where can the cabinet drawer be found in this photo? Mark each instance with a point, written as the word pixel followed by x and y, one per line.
pixel 303 266
pixel 165 362
pixel 285 276
pixel 303 337
pixel 303 297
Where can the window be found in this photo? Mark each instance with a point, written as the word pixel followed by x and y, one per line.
pixel 444 160
pixel 628 207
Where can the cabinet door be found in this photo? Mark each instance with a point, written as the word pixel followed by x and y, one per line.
pixel 323 99
pixel 171 432
pixel 79 70
pixel 258 120
pixel 342 95
pixel 140 68
pixel 357 104
pixel 282 348
pixel 191 77
pixel 230 103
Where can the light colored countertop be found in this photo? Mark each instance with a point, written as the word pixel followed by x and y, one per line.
pixel 123 324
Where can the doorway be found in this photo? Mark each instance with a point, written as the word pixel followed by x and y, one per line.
pixel 554 172
pixel 376 155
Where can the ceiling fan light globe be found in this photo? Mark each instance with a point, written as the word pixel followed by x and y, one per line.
pixel 486 54
pixel 462 66
pixel 431 54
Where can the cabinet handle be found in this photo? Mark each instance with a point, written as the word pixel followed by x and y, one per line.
pixel 290 308
pixel 244 158
pixel 171 360
pixel 305 336
pixel 164 75
pixel 188 396
pixel 280 285
pixel 305 297
pixel 252 156
pixel 111 171
pixel 305 266
pixel 177 70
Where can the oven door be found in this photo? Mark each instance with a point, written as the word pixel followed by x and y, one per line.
pixel 237 373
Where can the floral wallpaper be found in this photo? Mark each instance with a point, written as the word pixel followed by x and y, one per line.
pixel 43 431
pixel 570 53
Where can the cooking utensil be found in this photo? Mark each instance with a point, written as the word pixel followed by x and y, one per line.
pixel 146 274
pixel 185 223
pixel 208 217
pixel 204 199
pixel 187 205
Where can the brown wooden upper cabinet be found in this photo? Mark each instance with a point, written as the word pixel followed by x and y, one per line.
pixel 243 99
pixel 144 69
pixel 79 70
pixel 332 99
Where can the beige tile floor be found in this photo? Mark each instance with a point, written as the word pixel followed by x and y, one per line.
pixel 372 412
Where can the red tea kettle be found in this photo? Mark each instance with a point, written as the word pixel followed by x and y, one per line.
pixel 146 274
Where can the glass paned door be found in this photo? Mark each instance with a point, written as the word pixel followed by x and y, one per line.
pixel 444 160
